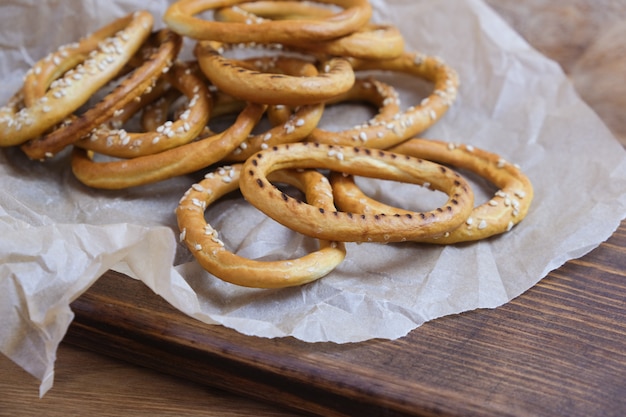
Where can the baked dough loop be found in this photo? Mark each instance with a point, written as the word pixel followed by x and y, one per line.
pixel 66 79
pixel 345 226
pixel 416 118
pixel 265 85
pixel 297 122
pixel 181 17
pixel 372 41
pixel 204 243
pixel 156 60
pixel 181 160
pixel 365 90
pixel 118 142
pixel 507 207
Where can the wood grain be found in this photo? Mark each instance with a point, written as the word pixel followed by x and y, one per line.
pixel 557 350
pixel 94 385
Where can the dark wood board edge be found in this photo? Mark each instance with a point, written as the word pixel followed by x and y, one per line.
pixel 559 349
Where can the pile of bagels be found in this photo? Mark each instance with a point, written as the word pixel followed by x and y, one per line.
pixel 275 62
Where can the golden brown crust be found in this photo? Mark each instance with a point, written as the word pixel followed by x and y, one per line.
pixel 415 119
pixel 181 160
pixel 181 18
pixel 350 227
pixel 210 252
pixel 268 87
pixel 506 208
pixel 372 41
pixel 191 122
pixel 47 100
pixel 371 91
pixel 140 80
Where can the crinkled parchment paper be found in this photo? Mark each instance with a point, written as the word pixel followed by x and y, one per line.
pixel 58 236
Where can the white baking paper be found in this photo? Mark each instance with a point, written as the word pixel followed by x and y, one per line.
pixel 58 236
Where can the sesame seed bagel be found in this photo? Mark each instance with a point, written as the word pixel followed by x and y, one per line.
pixel 62 82
pixel 506 208
pixel 117 142
pixel 381 95
pixel 345 226
pixel 184 159
pixel 157 60
pixel 415 119
pixel 209 250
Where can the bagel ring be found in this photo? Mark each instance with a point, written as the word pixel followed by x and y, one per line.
pixel 46 100
pixel 294 125
pixel 205 245
pixel 181 160
pixel 349 227
pixel 189 125
pixel 180 17
pixel 417 118
pixel 372 41
pixel 254 85
pixel 140 80
pixel 370 90
pixel 508 206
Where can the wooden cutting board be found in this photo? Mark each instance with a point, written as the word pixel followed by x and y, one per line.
pixel 557 350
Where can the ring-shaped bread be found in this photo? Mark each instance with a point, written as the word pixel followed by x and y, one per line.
pixel 118 142
pixel 350 227
pixel 184 159
pixel 416 118
pixel 158 59
pixel 181 17
pixel 209 250
pixel 297 126
pixel 261 86
pixel 64 80
pixel 373 41
pixel 296 123
pixel 371 91
pixel 506 208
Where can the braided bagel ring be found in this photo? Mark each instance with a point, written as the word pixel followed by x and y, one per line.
pixel 505 209
pixel 191 122
pixel 373 41
pixel 44 101
pixel 348 227
pixel 171 163
pixel 180 18
pixel 414 119
pixel 253 85
pixel 202 240
pixel 141 79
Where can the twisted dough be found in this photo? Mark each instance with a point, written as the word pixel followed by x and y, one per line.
pixel 349 227
pixel 210 252
pixel 508 206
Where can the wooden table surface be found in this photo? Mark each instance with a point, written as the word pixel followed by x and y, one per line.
pixel 557 350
